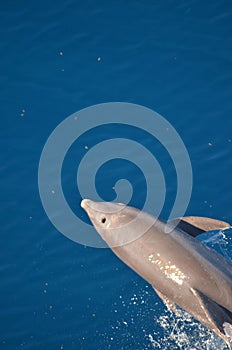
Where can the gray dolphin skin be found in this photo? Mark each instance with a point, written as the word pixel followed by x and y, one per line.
pixel 182 270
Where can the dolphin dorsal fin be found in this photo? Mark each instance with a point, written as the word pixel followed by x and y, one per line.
pixel 195 225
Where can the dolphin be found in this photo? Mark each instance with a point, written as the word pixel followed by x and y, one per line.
pixel 181 269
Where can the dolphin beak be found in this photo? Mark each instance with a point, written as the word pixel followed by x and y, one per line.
pixel 85 203
pixel 89 207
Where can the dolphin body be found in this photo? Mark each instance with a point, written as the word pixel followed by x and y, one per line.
pixel 181 269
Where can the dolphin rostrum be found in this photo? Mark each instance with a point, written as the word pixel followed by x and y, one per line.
pixel 182 270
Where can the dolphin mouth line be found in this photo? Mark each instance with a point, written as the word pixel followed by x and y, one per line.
pixel 84 203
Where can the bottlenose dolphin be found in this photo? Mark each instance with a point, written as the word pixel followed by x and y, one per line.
pixel 182 270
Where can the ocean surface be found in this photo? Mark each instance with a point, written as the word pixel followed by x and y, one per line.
pixel 58 57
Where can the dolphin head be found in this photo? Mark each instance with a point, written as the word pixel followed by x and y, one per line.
pixel 117 223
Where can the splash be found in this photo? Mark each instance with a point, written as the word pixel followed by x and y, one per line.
pixel 183 332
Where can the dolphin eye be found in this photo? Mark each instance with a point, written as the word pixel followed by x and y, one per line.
pixel 103 220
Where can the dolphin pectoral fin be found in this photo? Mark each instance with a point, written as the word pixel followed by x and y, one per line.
pixel 195 225
pixel 170 305
pixel 214 316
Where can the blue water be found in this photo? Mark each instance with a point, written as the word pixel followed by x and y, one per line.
pixel 56 58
